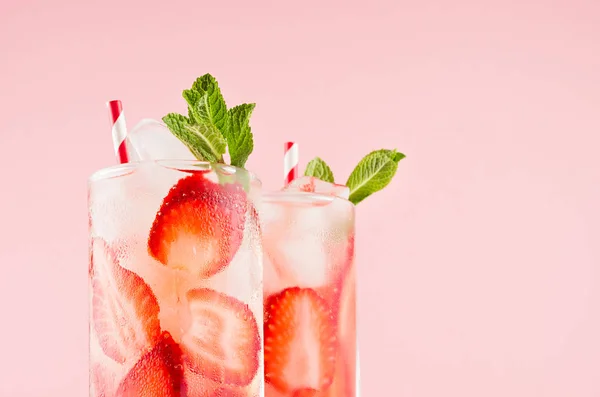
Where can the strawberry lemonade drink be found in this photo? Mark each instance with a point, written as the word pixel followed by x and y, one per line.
pixel 176 306
pixel 310 297
pixel 308 232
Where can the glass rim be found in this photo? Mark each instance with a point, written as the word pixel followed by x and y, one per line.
pixel 282 196
pixel 120 170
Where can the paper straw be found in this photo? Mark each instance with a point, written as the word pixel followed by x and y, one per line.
pixel 119 130
pixel 290 162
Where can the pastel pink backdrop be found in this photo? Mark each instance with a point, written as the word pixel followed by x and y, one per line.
pixel 479 266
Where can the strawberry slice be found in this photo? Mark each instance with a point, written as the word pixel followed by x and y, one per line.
pixel 300 341
pixel 124 309
pixel 199 226
pixel 158 373
pixel 223 341
pixel 197 385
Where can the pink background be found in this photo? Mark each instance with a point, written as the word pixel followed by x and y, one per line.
pixel 479 265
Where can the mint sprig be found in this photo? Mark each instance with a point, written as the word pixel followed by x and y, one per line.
pixel 374 172
pixel 210 128
pixel 319 169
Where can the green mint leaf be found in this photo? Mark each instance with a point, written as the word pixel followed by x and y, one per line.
pixel 319 169
pixel 239 134
pixel 204 140
pixel 193 97
pixel 374 172
pixel 213 108
pixel 198 107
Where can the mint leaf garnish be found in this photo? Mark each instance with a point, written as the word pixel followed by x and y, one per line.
pixel 319 169
pixel 204 140
pixel 209 105
pixel 209 128
pixel 239 134
pixel 373 173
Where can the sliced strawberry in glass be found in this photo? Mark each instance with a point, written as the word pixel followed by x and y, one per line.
pixel 223 341
pixel 197 385
pixel 159 373
pixel 124 309
pixel 199 226
pixel 300 341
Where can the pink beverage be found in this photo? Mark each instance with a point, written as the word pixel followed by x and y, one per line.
pixel 176 303
pixel 310 296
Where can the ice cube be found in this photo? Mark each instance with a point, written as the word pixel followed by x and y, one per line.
pixel 314 185
pixel 307 243
pixel 124 206
pixel 115 207
pixel 152 140
pixel 295 249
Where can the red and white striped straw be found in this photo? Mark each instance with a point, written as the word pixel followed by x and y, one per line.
pixel 119 130
pixel 290 162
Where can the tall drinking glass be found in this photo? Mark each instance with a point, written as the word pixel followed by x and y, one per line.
pixel 310 295
pixel 176 305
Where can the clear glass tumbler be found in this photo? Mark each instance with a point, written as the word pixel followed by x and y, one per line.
pixel 176 304
pixel 310 295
